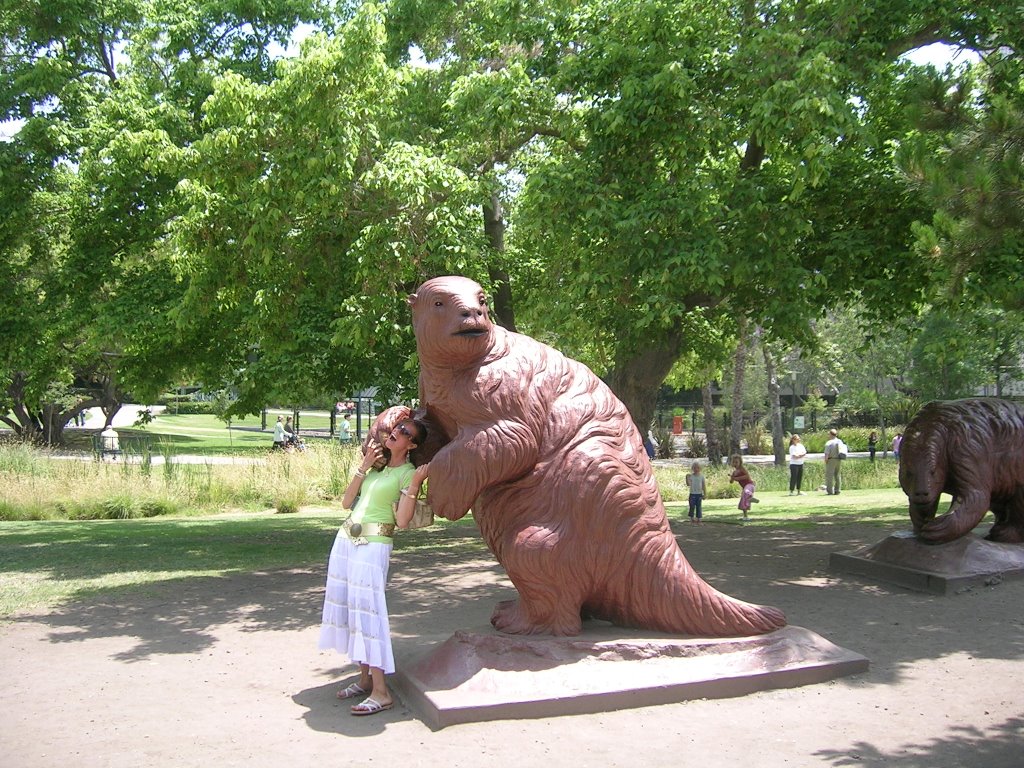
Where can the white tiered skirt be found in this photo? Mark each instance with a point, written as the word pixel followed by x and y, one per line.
pixel 355 619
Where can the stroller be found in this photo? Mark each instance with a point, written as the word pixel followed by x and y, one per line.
pixel 293 442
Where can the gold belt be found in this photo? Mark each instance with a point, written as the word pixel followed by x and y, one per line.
pixel 358 532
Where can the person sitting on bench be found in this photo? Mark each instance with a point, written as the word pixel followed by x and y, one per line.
pixel 109 445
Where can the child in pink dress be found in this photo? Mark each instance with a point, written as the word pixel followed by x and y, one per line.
pixel 741 476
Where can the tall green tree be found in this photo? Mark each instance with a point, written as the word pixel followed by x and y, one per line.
pixel 706 142
pixel 967 157
pixel 307 217
pixel 101 90
pixel 624 174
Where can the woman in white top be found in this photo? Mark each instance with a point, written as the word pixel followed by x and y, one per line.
pixel 796 465
pixel 279 433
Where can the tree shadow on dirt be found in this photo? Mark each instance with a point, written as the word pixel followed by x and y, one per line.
pixel 179 616
pixel 789 569
pixel 999 747
pixel 431 584
pixel 445 579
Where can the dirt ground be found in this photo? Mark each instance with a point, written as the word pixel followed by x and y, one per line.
pixel 225 672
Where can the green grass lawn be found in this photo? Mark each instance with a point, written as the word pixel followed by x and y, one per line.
pixel 48 563
pixel 172 434
pixel 884 506
pixel 206 434
pixel 45 562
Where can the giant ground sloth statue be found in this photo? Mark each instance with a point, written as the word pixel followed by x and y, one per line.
pixel 555 472
pixel 972 449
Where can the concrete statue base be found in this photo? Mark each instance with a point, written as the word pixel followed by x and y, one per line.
pixel 955 566
pixel 481 675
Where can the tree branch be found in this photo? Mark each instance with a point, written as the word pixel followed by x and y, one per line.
pixel 106 58
pixel 918 39
pixel 531 132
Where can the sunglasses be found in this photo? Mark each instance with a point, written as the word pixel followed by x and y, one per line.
pixel 404 430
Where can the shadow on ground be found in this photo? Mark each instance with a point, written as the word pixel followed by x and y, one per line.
pixel 444 579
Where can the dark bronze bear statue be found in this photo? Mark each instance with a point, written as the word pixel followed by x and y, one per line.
pixel 972 449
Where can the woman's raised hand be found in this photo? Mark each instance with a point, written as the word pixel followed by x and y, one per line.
pixel 374 453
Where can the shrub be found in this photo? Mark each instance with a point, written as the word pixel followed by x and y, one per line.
pixel 856 438
pixel 664 443
pixel 192 407
pixel 118 508
pixel 696 446
pixel 757 440
pixel 290 500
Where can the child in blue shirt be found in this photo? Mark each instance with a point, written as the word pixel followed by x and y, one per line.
pixel 695 482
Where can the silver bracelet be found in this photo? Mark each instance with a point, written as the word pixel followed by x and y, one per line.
pixel 360 473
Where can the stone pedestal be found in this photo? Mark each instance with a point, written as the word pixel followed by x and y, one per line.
pixel 483 675
pixel 955 566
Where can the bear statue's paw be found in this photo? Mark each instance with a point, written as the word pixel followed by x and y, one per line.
pixel 511 617
pixel 942 529
pixel 1006 534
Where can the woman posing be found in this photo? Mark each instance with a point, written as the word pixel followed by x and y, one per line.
pixel 355 617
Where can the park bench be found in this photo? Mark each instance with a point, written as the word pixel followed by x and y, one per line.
pixel 106 447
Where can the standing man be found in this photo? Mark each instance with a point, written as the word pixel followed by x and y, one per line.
pixel 834 453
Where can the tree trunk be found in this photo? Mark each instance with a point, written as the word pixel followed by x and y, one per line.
pixel 637 378
pixel 53 418
pixel 25 423
pixel 778 441
pixel 881 419
pixel 111 401
pixel 739 375
pixel 47 424
pixel 494 229
pixel 710 426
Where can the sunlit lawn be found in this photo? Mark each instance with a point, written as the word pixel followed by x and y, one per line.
pixel 47 563
pixel 887 506
pixel 171 433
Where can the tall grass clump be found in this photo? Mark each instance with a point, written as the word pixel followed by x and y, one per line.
pixel 21 459
pixel 37 485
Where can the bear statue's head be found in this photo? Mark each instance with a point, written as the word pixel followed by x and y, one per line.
pixel 925 463
pixel 450 319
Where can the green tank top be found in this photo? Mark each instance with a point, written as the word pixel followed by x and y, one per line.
pixel 377 495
